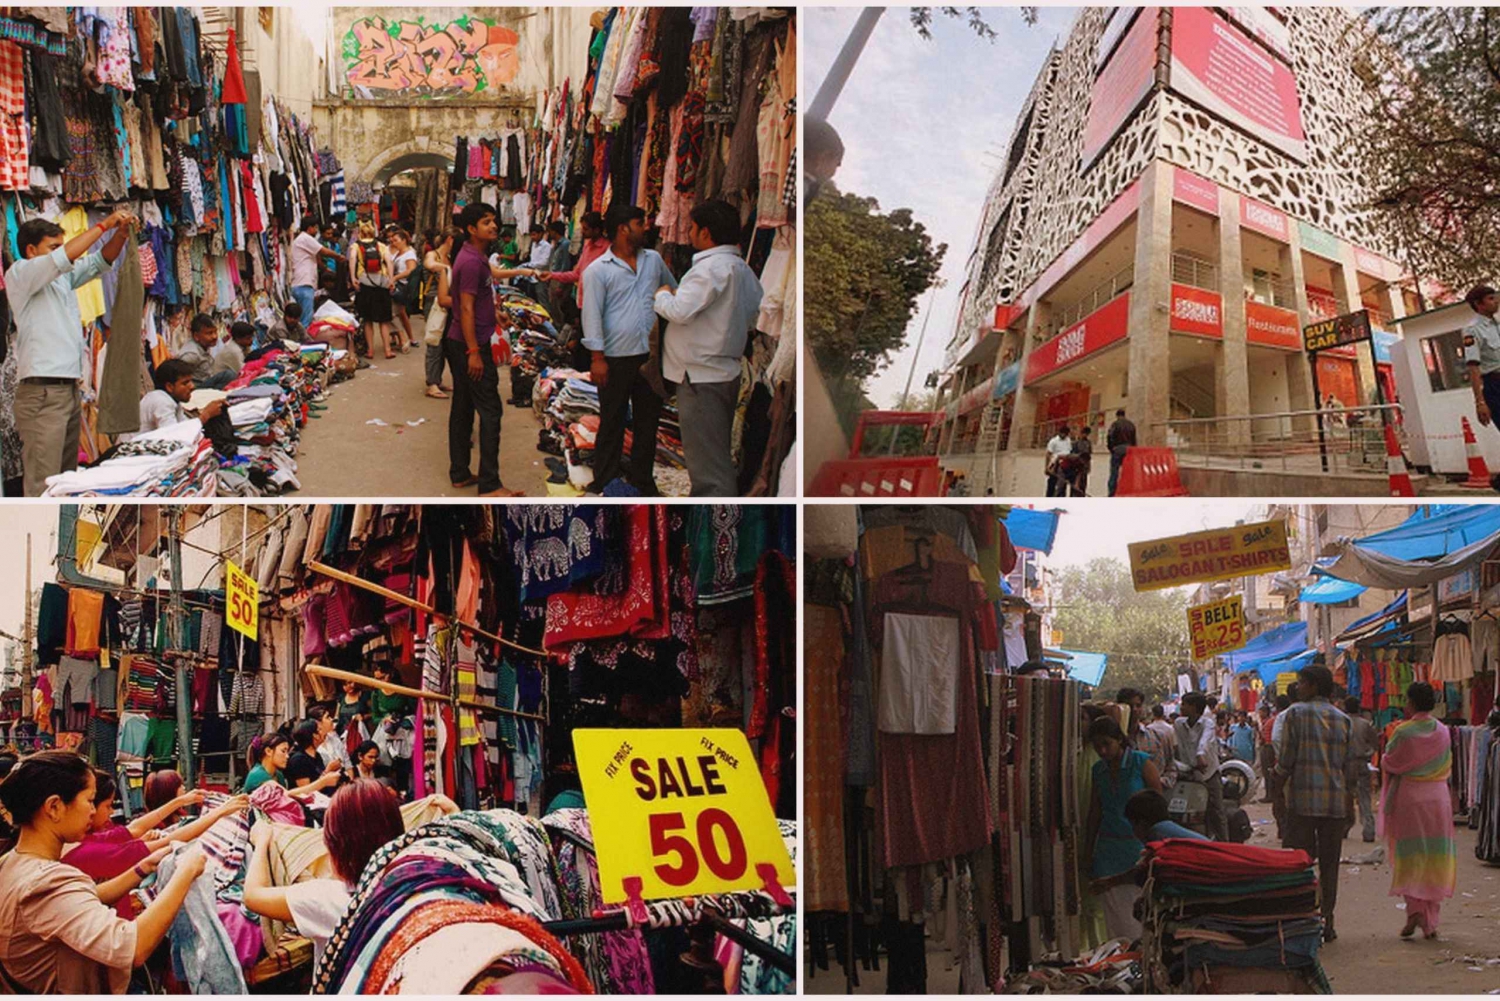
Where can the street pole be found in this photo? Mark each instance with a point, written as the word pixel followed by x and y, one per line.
pixel 175 616
pixel 843 65
pixel 911 373
pixel 30 640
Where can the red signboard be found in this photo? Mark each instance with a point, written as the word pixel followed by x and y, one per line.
pixel 1119 212
pixel 1197 311
pixel 1262 218
pixel 1005 315
pixel 1199 192
pixel 1104 326
pixel 1218 66
pixel 1127 78
pixel 1272 327
pixel 976 397
pixel 1375 265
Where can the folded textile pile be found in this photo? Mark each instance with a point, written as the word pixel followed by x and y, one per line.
pixel 174 461
pixel 268 406
pixel 331 319
pixel 450 908
pixel 1211 905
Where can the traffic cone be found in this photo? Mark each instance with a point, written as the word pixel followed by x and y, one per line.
pixel 1479 473
pixel 1396 466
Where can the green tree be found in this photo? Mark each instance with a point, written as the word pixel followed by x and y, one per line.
pixel 1144 633
pixel 864 272
pixel 1432 148
pixel 921 19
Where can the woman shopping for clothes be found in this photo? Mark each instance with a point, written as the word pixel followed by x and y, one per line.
pixel 1416 813
pixel 268 759
pixel 370 263
pixel 57 933
pixel 1110 843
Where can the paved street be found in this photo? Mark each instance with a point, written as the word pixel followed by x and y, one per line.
pixel 344 456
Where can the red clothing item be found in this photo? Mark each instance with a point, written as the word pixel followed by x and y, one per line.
pixel 106 854
pixel 1265 728
pixel 1188 861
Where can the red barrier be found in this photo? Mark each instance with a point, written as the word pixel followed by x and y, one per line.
pixel 1150 472
pixel 915 476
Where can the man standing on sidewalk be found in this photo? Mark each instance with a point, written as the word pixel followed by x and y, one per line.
pixel 618 318
pixel 1198 759
pixel 49 337
pixel 1312 756
pixel 1361 749
pixel 307 252
pixel 476 380
pixel 1118 439
pixel 709 319
pixel 1058 449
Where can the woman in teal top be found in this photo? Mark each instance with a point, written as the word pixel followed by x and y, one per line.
pixel 1110 842
pixel 270 752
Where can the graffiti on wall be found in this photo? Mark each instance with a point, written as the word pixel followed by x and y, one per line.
pixel 463 58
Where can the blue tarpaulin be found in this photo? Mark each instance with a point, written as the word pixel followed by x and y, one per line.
pixel 1331 591
pixel 1280 643
pixel 1435 531
pixel 1031 529
pixel 1086 667
pixel 1269 669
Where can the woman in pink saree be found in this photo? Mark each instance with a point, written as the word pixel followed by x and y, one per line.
pixel 1416 813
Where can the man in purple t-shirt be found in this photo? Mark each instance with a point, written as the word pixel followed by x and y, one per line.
pixel 476 380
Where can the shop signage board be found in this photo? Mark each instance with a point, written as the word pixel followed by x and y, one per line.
pixel 688 814
pixel 1351 328
pixel 1116 215
pixel 1261 218
pixel 976 397
pixel 1263 25
pixel 1217 554
pixel 1196 311
pixel 1198 192
pixel 1104 326
pixel 1460 585
pixel 1375 265
pixel 1272 326
pixel 1005 315
pixel 1216 65
pixel 1007 381
pixel 1320 242
pixel 1127 77
pixel 242 600
pixel 1217 627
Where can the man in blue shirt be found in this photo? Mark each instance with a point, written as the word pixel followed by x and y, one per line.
pixel 42 288
pixel 619 315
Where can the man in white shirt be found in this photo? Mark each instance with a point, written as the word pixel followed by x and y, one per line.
pixel 1198 759
pixel 162 407
pixel 541 248
pixel 1061 445
pixel 709 319
pixel 307 252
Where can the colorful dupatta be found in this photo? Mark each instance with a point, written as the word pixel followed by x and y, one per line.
pixel 1416 810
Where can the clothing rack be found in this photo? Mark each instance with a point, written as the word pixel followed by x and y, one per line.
pixel 621 922
pixel 413 603
pixel 416 693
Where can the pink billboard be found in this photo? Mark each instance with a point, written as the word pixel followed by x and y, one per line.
pixel 1218 66
pixel 1125 81
pixel 1199 192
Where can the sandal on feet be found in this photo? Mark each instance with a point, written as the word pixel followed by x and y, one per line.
pixel 471 481
pixel 433 393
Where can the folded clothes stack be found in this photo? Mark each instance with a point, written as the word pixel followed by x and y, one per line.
pixel 174 461
pixel 1214 911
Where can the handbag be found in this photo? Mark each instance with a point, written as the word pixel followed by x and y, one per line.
pixel 437 325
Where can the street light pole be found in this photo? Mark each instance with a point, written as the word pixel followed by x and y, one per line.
pixel 916 357
pixel 843 65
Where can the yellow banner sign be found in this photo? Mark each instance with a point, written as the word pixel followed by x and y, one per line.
pixel 242 595
pixel 1218 554
pixel 1217 627
pixel 684 812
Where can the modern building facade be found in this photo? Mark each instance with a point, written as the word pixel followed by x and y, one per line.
pixel 1178 201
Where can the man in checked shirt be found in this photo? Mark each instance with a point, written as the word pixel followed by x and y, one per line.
pixel 1312 750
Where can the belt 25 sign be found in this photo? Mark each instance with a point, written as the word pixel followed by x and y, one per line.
pixel 687 814
pixel 1217 627
pixel 242 599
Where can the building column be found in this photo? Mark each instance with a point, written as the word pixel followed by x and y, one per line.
pixel 1037 318
pixel 1347 278
pixel 1232 368
pixel 1299 380
pixel 1150 373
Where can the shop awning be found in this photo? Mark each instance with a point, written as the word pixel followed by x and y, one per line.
pixel 1372 624
pixel 1270 670
pixel 1030 529
pixel 1434 543
pixel 1330 591
pixel 1086 667
pixel 1284 641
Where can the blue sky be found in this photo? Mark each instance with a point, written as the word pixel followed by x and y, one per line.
pixel 924 126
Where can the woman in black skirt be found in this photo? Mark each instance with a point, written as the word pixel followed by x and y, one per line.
pixel 370 263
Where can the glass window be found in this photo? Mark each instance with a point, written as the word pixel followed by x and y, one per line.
pixel 1444 357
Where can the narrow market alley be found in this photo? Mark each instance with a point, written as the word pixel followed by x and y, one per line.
pixel 344 454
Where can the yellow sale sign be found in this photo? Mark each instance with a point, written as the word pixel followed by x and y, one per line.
pixel 683 811
pixel 1217 627
pixel 1218 554
pixel 242 596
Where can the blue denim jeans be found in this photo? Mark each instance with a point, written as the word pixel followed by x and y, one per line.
pixel 304 296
